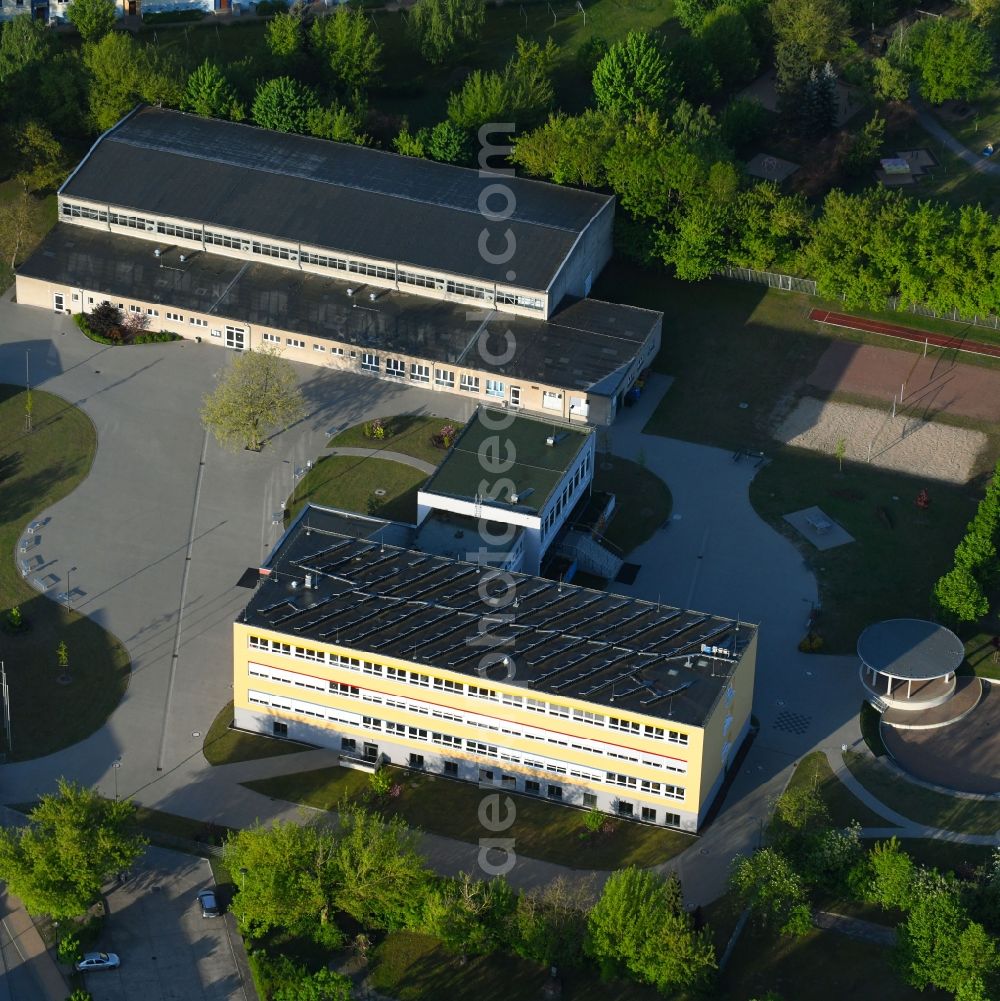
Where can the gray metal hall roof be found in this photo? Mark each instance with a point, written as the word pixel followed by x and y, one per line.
pixel 332 195
pixel 910 648
pixel 586 345
pixel 374 597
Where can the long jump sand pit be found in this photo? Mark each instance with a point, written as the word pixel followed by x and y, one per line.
pixel 903 444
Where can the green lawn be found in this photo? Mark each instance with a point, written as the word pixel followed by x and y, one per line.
pixel 439 806
pixel 414 967
pixel 224 746
pixel 815 771
pixel 409 434
pixel 820 966
pixel 350 483
pixel 924 806
pixel 36 470
pixel 887 571
pixel 642 500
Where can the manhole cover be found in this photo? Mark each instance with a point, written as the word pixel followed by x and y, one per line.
pixel 380 492
pixel 196 733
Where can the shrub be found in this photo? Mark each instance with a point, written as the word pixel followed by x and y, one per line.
pixel 68 949
pixel 445 438
pixel 593 820
pixel 105 316
pixel 380 781
pixel 377 429
pixel 14 618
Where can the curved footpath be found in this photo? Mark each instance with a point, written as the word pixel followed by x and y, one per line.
pixel 976 161
pixel 166 522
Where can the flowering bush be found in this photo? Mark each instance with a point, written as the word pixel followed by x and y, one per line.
pixel 396 791
pixel 377 429
pixel 445 438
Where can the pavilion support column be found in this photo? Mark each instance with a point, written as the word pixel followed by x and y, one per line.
pixel 909 687
pixel 888 684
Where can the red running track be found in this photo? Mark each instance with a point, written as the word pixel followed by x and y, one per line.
pixel 903 333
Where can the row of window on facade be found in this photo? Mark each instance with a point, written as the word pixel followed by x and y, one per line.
pixel 492 723
pixel 533 787
pixel 567 494
pixel 479 748
pixel 392 273
pixel 446 685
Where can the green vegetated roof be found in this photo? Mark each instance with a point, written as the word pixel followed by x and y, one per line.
pixel 536 469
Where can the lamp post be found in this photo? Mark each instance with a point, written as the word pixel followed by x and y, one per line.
pixel 243 878
pixel 116 765
pixel 69 587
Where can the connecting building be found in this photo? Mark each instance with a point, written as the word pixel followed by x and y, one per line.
pixel 352 258
pixel 354 641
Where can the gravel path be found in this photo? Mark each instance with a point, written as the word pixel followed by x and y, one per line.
pixel 904 443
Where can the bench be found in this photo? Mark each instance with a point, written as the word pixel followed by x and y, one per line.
pixel 819 524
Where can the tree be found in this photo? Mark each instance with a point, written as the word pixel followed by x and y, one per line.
pixel 522 93
pixel 549 925
pixel 258 391
pixel 953 58
pixel 766 883
pixel 351 49
pixel 470 916
pixel 819 110
pixel 18 217
pixel 447 143
pixel 568 150
pixel 959 594
pixel 891 81
pixel 768 227
pixel 24 43
pixel 633 76
pixel 985 13
pixel 112 63
pixel 638 926
pixel 886 877
pixel 743 121
pixel 381 876
pixel 288 875
pixel 443 27
pixel 727 37
pixel 92 18
pixel 337 122
pixel 865 146
pixel 818 27
pixel 73 843
pixel 284 105
pixel 62 93
pixel 45 157
pixel 323 985
pixel 938 945
pixel 209 93
pixel 691 13
pixel 692 66
pixel 284 35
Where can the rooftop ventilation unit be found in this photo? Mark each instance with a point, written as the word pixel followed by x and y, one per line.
pixel 518 497
pixel 350 292
pixel 309 581
pixel 372 296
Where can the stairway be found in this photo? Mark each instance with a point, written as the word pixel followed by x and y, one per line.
pixel 592 556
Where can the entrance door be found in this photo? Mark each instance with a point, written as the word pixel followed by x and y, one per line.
pixel 235 338
pixel 515 396
pixel 370 752
pixel 133 8
pixel 58 301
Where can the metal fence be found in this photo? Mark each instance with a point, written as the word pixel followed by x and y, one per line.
pixel 792 284
pixel 772 280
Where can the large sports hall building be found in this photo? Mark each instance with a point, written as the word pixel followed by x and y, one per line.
pixel 350 258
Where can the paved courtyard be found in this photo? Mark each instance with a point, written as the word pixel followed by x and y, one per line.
pixel 165 524
pixel 167 949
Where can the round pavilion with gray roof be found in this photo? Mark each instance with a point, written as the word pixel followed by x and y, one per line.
pixel 909 664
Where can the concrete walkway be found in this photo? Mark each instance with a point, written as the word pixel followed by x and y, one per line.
pixel 27 967
pixel 865 931
pixel 382 453
pixel 975 160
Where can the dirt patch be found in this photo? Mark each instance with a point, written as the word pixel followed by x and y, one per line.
pixel 930 385
pixel 905 444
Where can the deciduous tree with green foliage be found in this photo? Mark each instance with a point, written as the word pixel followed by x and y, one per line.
pixel 891 81
pixel 818 27
pixel 470 916
pixel 18 217
pixel 347 42
pixel 338 122
pixel 727 37
pixel 442 28
pixel 639 927
pixel 768 227
pixel 284 104
pixel 259 390
pixel 24 42
pixel 953 58
pixel 209 93
pixel 92 18
pixel 285 35
pixel 634 76
pixel 568 149
pixel 767 884
pixel 74 842
pixel 46 166
pixel 691 65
